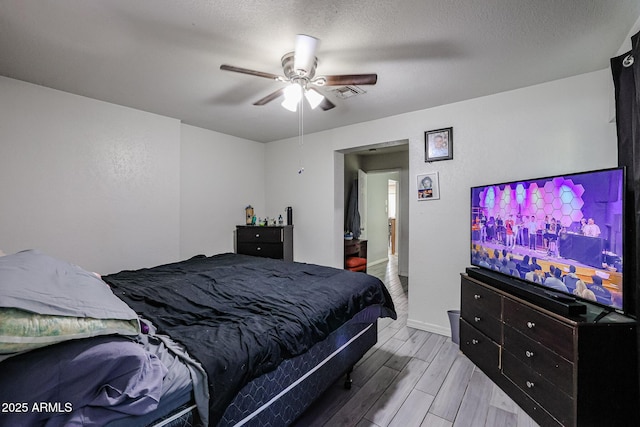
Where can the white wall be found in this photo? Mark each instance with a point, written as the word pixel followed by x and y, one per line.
pixel 317 209
pixel 220 176
pixel 557 127
pixel 88 181
pixel 112 188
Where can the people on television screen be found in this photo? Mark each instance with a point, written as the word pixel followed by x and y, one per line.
pixel 519 229
pixel 500 230
pixel 491 229
pixel 483 227
pixel 547 225
pixel 583 292
pixel 571 278
pixel 583 223
pixel 484 262
pixel 534 264
pixel 503 267
pixel 555 281
pixel 532 228
pixel 591 229
pixel 510 232
pixel 551 235
pixel 524 265
pixel 535 276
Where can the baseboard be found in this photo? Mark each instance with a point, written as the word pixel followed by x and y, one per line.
pixel 429 327
pixel 379 261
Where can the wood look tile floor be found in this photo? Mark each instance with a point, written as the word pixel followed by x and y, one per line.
pixel 413 378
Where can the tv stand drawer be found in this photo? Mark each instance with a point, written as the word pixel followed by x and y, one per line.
pixel 539 359
pixel 482 351
pixel 481 308
pixel 539 327
pixel 543 391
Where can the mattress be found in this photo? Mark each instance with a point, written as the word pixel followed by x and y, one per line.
pixel 254 340
pixel 242 316
pixel 280 396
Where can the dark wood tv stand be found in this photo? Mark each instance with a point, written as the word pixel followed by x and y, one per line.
pixel 561 370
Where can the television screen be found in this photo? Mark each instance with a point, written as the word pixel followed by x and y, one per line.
pixel 565 233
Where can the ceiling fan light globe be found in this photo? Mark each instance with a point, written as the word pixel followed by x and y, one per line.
pixel 313 98
pixel 293 92
pixel 291 106
pixel 292 96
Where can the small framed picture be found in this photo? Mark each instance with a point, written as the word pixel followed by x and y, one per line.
pixel 438 145
pixel 428 186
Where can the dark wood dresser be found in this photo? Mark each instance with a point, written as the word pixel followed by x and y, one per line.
pixel 265 241
pixel 563 371
pixel 355 247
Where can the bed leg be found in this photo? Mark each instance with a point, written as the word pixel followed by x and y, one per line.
pixel 348 381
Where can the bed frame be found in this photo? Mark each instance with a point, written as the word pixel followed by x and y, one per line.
pixel 281 396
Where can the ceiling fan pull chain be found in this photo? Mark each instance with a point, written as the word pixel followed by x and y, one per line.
pixel 300 135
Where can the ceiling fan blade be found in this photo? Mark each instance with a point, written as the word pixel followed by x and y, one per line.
pixel 326 104
pixel 351 79
pixel 250 72
pixel 270 97
pixel 304 56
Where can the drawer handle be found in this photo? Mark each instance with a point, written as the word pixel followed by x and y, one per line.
pixel 530 384
pixel 476 296
pixel 531 325
pixel 477 319
pixel 529 353
pixel 257 235
pixel 474 341
pixel 259 248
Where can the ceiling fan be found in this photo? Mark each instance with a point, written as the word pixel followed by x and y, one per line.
pixel 299 69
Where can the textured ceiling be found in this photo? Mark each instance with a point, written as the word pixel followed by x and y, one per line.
pixel 164 56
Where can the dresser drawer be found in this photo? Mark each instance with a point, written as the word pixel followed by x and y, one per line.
pixel 266 250
pixel 539 327
pixel 483 320
pixel 480 349
pixel 538 358
pixel 556 402
pixel 481 297
pixel 481 308
pixel 259 234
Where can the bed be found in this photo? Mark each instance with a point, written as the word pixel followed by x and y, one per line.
pixel 223 340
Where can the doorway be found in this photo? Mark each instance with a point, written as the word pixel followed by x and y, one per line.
pixel 377 166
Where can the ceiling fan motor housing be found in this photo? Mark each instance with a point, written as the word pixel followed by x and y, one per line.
pixel 291 73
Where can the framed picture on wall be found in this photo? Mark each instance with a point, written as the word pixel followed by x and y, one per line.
pixel 438 145
pixel 428 186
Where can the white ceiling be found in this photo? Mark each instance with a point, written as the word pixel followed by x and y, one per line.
pixel 163 56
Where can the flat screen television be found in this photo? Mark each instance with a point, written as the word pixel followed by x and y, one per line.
pixel 564 234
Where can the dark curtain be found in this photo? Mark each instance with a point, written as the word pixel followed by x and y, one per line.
pixel 626 78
